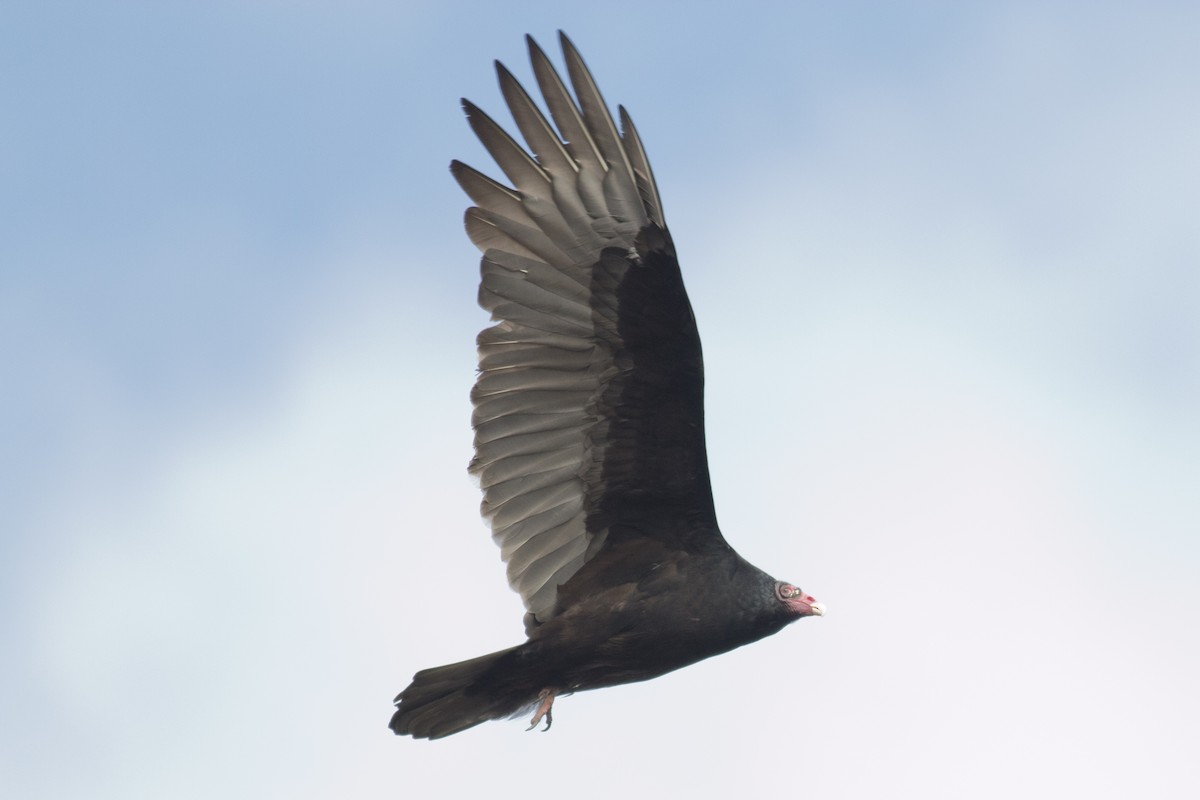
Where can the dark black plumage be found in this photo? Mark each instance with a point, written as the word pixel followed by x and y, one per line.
pixel 589 433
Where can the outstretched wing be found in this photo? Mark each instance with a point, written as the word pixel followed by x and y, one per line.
pixel 589 401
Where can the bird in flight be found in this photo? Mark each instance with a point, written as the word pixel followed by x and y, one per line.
pixel 589 424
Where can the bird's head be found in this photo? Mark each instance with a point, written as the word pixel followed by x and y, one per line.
pixel 797 603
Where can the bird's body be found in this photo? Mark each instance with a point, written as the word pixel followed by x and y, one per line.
pixel 589 426
pixel 627 632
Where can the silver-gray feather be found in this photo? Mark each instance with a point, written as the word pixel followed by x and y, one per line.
pixel 542 366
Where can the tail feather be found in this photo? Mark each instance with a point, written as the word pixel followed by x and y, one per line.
pixel 445 700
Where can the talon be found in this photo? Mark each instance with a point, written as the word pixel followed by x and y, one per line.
pixel 543 710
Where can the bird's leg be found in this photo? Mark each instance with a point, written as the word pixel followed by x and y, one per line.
pixel 543 710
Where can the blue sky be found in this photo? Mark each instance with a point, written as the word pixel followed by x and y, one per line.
pixel 945 265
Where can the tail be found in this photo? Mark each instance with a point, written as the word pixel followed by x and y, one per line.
pixel 445 700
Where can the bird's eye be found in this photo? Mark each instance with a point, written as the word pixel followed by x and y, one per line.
pixel 786 590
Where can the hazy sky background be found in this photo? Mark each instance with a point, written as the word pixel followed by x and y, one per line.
pixel 946 264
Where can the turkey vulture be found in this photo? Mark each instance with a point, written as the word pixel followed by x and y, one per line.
pixel 589 424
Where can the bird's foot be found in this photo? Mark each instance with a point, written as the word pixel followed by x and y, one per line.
pixel 543 710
